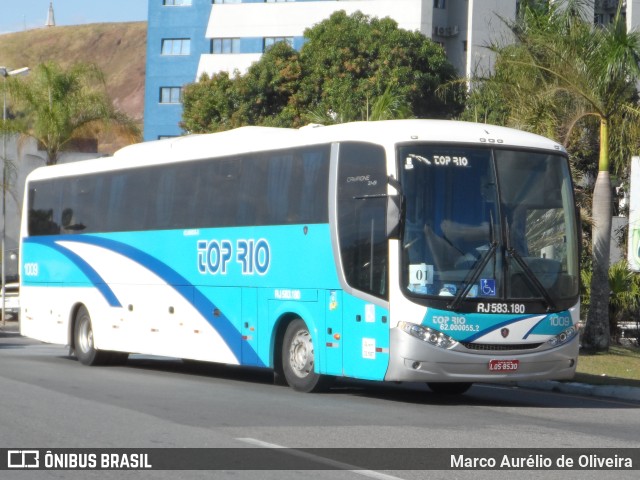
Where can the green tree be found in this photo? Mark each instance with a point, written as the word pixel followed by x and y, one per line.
pixel 561 74
pixel 59 105
pixel 263 96
pixel 352 67
pixel 210 104
pixel 269 86
pixel 351 61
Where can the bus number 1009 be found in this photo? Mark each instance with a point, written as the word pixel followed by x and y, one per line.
pixel 491 307
pixel 31 269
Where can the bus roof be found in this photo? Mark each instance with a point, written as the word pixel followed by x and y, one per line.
pixel 252 139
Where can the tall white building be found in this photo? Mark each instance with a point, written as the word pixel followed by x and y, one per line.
pixel 241 30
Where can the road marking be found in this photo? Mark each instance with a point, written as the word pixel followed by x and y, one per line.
pixel 318 459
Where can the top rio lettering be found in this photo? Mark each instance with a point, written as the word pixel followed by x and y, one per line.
pixel 446 160
pixel 253 256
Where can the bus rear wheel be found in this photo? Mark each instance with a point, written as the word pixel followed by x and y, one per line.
pixel 84 347
pixel 298 359
pixel 455 388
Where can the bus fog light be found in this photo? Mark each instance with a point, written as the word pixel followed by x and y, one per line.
pixel 428 335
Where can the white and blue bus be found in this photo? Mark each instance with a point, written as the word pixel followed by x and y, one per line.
pixel 410 250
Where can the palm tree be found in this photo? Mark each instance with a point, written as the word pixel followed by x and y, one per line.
pixel 60 105
pixel 389 105
pixel 562 72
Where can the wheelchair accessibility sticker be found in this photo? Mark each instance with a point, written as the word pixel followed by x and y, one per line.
pixel 488 287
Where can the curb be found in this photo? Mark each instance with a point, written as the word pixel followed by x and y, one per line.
pixel 606 391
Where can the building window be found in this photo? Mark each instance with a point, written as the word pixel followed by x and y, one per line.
pixel 270 41
pixel 227 1
pixel 177 3
pixel 176 46
pixel 442 4
pixel 171 95
pixel 278 1
pixel 225 45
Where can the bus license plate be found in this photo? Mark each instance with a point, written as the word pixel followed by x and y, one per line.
pixel 503 365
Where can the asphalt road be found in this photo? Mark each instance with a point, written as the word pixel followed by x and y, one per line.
pixel 49 400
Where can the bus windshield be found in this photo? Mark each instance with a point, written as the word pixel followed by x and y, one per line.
pixel 486 224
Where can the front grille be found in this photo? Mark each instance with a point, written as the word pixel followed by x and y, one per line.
pixel 488 347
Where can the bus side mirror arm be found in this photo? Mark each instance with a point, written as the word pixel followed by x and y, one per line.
pixel 394 216
pixel 395 210
pixel 579 230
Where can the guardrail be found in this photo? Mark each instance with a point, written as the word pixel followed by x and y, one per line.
pixel 626 328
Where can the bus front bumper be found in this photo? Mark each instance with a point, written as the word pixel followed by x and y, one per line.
pixel 413 360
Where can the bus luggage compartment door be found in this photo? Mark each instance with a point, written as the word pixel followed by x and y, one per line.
pixel 366 339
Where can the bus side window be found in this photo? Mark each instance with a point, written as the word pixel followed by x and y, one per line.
pixel 279 188
pixel 44 208
pixel 315 185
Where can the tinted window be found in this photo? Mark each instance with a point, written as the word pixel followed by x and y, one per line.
pixel 44 208
pixel 272 188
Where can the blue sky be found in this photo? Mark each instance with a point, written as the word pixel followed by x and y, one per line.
pixel 16 15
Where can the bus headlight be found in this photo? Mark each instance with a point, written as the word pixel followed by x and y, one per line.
pixel 426 334
pixel 564 337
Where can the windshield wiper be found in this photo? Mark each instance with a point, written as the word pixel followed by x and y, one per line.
pixel 532 278
pixel 529 274
pixel 474 274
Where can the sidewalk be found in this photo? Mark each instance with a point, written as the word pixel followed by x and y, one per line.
pixel 12 328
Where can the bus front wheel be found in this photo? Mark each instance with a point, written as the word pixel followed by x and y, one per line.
pixel 84 347
pixel 298 359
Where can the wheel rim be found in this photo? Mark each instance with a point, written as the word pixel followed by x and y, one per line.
pixel 85 337
pixel 301 354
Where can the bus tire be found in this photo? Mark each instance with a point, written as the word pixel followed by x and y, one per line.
pixel 117 358
pixel 455 388
pixel 84 348
pixel 298 359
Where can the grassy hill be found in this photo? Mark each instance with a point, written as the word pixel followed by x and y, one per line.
pixel 119 49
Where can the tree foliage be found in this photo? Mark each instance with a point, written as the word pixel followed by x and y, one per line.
pixel 351 61
pixel 352 67
pixel 211 104
pixel 58 105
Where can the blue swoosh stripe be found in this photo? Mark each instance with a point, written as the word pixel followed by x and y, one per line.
pixel 493 328
pixel 93 276
pixel 171 277
pixel 534 327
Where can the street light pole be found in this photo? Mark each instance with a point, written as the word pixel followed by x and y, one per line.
pixel 4 73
